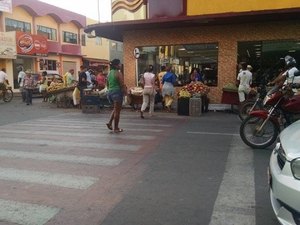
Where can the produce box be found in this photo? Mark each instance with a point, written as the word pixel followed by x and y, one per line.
pixel 195 107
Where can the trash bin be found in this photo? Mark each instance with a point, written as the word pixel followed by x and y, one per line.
pixel 183 106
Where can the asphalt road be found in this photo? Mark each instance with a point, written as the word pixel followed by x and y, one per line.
pixel 61 166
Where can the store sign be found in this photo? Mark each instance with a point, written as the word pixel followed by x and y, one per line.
pixel 136 53
pixel 30 44
pixel 8 45
pixel 6 6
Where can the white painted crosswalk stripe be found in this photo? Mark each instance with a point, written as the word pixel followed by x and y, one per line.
pixel 26 214
pixel 94 122
pixel 56 179
pixel 236 197
pixel 61 158
pixel 79 134
pixel 80 127
pixel 61 143
pixel 70 133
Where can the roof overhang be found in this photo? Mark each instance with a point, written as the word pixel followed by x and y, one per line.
pixel 115 30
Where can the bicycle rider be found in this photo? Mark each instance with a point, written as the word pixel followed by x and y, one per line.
pixel 3 81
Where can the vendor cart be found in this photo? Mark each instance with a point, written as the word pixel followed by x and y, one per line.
pixel 62 97
pixel 135 97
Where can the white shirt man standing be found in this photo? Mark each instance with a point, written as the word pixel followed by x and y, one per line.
pixel 21 77
pixel 244 80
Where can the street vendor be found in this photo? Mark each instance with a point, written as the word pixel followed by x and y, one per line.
pixel 195 75
pixel 69 79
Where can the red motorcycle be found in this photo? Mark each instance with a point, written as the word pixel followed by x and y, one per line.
pixel 261 128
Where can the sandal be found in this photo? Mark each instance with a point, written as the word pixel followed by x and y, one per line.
pixel 109 126
pixel 118 130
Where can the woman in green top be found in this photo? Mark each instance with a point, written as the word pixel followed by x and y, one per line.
pixel 116 91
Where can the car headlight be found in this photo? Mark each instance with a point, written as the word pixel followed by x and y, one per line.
pixel 295 167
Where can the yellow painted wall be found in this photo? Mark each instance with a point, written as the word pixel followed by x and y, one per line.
pixel 18 14
pixel 203 7
pixel 46 21
pixel 69 27
pixel 91 50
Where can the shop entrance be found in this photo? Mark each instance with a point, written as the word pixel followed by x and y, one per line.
pixel 18 64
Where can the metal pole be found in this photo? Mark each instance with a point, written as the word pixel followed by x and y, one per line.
pixel 98 11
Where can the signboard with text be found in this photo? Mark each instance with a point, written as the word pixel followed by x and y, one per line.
pixel 31 44
pixel 8 45
pixel 6 6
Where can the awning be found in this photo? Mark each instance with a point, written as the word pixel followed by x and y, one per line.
pixel 115 30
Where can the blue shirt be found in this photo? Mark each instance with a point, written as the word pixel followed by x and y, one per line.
pixel 169 77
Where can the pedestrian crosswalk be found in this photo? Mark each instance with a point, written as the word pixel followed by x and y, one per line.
pixel 62 153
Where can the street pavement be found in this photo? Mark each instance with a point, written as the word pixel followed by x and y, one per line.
pixel 62 166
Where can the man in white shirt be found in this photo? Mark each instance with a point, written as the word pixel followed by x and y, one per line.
pixel 89 79
pixel 3 81
pixel 244 80
pixel 21 77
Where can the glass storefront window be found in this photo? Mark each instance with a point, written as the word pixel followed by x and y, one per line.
pixel 264 57
pixel 183 58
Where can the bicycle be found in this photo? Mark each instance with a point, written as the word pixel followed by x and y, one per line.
pixel 8 95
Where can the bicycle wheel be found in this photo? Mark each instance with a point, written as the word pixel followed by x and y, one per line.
pixel 8 95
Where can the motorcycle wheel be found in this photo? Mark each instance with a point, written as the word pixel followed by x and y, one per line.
pixel 258 139
pixel 245 108
pixel 8 95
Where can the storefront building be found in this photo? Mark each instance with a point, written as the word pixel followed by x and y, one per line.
pixel 46 38
pixel 210 36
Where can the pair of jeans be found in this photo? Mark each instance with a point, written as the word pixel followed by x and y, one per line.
pixel 28 96
pixel 115 96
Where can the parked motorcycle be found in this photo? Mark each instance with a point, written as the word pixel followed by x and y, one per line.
pixel 253 104
pixel 256 103
pixel 261 128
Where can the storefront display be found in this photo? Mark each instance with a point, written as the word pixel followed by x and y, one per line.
pixel 183 58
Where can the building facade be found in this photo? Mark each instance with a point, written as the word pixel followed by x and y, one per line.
pixel 44 37
pixel 210 36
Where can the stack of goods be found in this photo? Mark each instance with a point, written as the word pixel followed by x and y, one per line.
pixel 135 97
pixel 230 87
pixel 195 89
pixel 190 99
pixel 60 94
pixel 55 87
pixel 137 91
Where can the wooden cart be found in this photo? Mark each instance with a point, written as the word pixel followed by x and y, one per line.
pixel 62 97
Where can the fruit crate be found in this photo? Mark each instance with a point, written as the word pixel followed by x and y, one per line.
pixel 195 107
pixel 90 109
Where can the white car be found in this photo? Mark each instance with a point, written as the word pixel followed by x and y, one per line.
pixel 284 176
